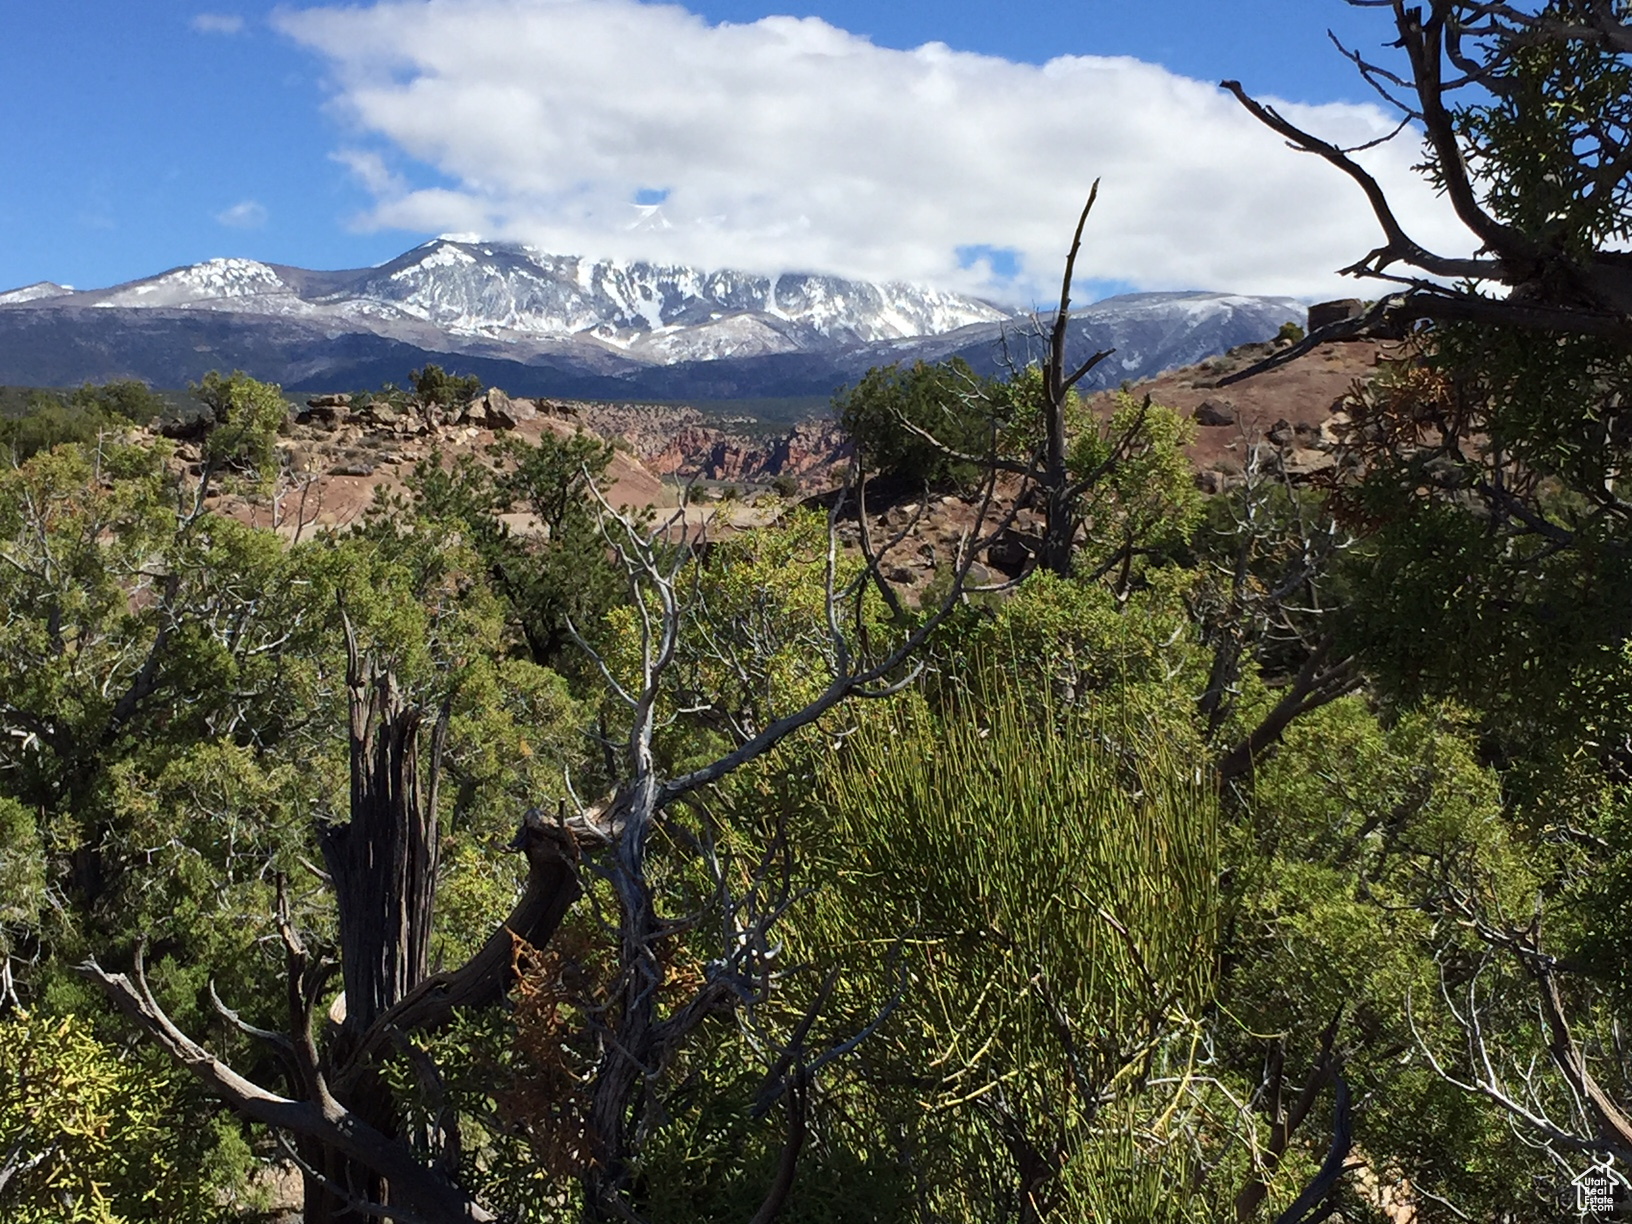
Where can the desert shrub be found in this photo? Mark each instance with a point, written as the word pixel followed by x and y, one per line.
pixel 910 423
pixel 92 1136
pixel 434 385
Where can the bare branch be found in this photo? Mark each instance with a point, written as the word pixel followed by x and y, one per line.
pixel 1316 684
pixel 1400 246
pixel 324 1119
pixel 1325 1180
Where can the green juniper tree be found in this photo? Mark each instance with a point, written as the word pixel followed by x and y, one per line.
pixel 1492 498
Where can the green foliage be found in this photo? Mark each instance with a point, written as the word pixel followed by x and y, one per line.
pixel 246 416
pixel 89 1135
pixel 128 398
pixel 552 571
pixel 1537 148
pixel 49 422
pixel 889 412
pixel 388 393
pixel 1495 472
pixel 434 385
pixel 755 640
pixel 1289 333
pixel 22 872
pixel 76 527
pixel 999 863
pixel 82 416
pixel 934 426
pixel 1084 643
pixel 1495 577
pixel 1350 843
pixel 1058 962
pixel 1144 508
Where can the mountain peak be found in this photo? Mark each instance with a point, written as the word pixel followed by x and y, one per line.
pixel 39 291
pixel 507 292
pixel 542 323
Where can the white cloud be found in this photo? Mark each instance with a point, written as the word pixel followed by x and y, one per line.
pixel 217 23
pixel 788 143
pixel 246 214
pixel 370 170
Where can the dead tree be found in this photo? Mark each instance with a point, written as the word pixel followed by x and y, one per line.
pixel 1060 492
pixel 637 1037
pixel 1574 1115
pixel 1267 600
pixel 336 1116
pixel 1552 286
pixel 1045 474
pixel 1285 1119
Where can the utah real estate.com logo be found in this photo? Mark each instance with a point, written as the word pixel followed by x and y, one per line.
pixel 1595 1192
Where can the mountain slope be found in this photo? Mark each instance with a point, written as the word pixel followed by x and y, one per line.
pixel 502 291
pixel 558 325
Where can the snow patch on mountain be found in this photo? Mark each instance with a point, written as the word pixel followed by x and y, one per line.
pixel 39 291
pixel 504 291
pixel 446 255
pixel 211 282
pixel 616 326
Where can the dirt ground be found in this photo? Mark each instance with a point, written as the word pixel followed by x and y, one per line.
pixel 1304 394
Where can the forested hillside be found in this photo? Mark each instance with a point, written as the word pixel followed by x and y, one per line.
pixel 1018 832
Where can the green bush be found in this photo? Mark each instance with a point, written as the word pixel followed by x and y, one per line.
pixel 246 417
pixel 93 1135
pixel 50 418
pixel 128 398
pixel 911 423
pixel 434 385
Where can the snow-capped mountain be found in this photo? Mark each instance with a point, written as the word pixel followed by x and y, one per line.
pixel 517 294
pixel 540 324
pixel 36 292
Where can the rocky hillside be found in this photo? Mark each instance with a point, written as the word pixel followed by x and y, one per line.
pixel 680 441
pixel 338 455
pixel 1296 409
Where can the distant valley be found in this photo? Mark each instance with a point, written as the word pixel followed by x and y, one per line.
pixel 541 324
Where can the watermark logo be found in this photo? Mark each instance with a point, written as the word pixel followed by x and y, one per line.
pixel 1597 1192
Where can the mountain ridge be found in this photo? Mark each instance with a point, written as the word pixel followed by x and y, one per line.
pixel 542 324
pixel 516 293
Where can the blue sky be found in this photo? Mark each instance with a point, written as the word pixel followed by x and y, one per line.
pixel 143 136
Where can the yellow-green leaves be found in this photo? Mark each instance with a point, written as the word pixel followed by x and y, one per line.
pixel 1044 878
pixel 1145 501
pixel 85 1132
pixel 22 871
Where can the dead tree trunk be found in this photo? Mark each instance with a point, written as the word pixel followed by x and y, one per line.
pixel 383 860
pixel 639 1031
pixel 1060 495
pixel 339 1118
pixel 383 863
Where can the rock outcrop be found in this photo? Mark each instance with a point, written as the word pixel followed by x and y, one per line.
pixel 679 441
